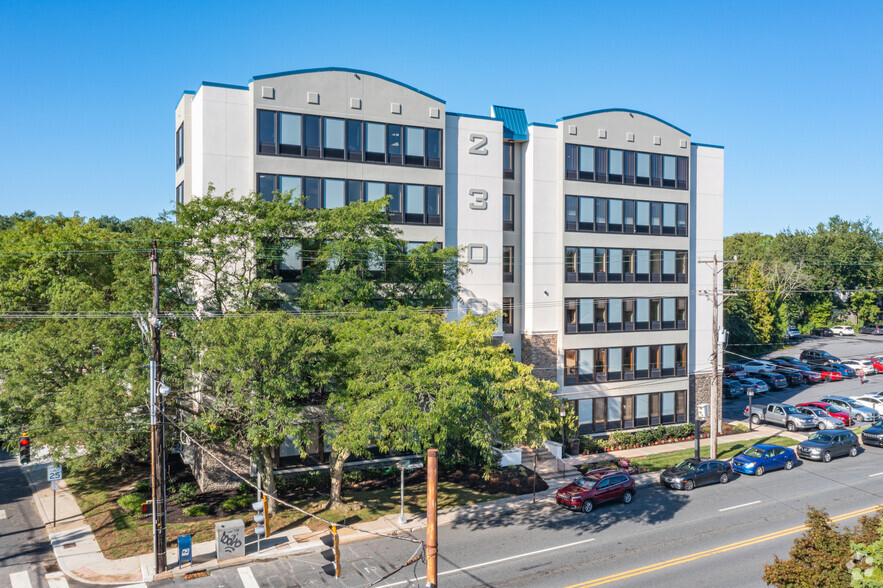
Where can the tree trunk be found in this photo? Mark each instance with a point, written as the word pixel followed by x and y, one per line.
pixel 267 480
pixel 338 456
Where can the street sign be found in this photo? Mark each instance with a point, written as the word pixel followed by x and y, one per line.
pixel 751 392
pixel 54 485
pixel 54 473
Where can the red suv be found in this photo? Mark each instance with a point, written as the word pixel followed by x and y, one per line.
pixel 595 487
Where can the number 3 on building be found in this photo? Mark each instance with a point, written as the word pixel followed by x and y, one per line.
pixel 480 144
pixel 479 199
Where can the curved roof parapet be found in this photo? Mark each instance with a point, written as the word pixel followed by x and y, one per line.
pixel 706 145
pixel 628 111
pixel 344 69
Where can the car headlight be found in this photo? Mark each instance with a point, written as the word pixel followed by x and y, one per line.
pixel 815 450
pixel 749 465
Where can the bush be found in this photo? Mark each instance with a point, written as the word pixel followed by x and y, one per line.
pixel 238 502
pixel 142 486
pixel 588 444
pixel 131 503
pixel 187 492
pixel 197 510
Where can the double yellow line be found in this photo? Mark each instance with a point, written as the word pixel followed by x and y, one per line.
pixel 717 550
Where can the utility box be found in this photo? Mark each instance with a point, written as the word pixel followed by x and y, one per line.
pixel 230 539
pixel 703 411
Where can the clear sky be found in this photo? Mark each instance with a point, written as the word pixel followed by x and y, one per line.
pixel 791 89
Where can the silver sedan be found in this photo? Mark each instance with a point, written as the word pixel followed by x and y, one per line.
pixel 823 419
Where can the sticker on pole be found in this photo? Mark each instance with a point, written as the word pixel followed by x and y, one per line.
pixel 54 473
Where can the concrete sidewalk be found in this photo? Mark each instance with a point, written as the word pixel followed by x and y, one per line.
pixel 80 557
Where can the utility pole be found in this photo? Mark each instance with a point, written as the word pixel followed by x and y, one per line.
pixel 717 301
pixel 157 425
pixel 432 518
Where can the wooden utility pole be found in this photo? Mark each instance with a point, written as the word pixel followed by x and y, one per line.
pixel 157 425
pixel 432 518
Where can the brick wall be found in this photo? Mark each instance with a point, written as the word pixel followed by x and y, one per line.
pixel 541 351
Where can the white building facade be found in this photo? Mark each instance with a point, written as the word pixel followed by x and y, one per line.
pixel 590 234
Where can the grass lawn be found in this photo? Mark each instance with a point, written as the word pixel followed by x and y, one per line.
pixel 662 461
pixel 121 535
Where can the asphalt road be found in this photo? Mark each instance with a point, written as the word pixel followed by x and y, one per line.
pixel 24 545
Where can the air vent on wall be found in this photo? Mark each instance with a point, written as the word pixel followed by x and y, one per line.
pixel 571 129
pixel 268 92
pixel 434 112
pixel 657 140
pixel 395 108
pixel 630 137
pixel 356 103
pixel 312 97
pixel 602 133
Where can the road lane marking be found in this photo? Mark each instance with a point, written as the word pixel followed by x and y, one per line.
pixel 716 551
pixel 872 475
pixel 20 580
pixel 247 577
pixel 2 514
pixel 496 561
pixel 56 580
pixel 738 506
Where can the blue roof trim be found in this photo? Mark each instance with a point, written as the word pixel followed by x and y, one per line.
pixel 185 93
pixel 624 110
pixel 706 145
pixel 514 122
pixel 472 116
pixel 546 125
pixel 230 86
pixel 346 69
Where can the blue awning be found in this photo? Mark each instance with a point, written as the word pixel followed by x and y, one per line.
pixel 514 122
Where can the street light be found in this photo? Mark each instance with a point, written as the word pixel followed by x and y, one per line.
pixel 562 412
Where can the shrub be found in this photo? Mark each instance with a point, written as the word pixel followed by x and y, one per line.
pixel 644 437
pixel 588 444
pixel 142 486
pixel 238 502
pixel 131 503
pixel 197 510
pixel 187 492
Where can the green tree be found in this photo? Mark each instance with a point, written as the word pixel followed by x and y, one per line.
pixel 869 555
pixel 865 306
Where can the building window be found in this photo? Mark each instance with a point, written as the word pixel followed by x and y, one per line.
pixel 613 215
pixel 179 146
pixel 334 138
pixel 571 162
pixel 587 315
pixel 433 148
pixel 616 166
pixel 290 134
pixel 353 191
pixel 508 160
pixel 266 186
pixel 394 191
pixel 433 205
pixel 508 263
pixel 507 315
pixel 394 144
pixel 586 163
pixel 607 364
pixel 354 140
pixel 415 203
pixel 266 132
pixel 508 212
pixel 415 146
pixel 179 194
pixel 375 142
pixel 334 194
pixel 312 192
pixel 312 136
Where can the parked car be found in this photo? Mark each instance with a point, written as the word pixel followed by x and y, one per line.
pixel 734 370
pixel 732 388
pixel 759 386
pixel 877 363
pixel 792 332
pixel 792 376
pixel 823 419
pixel 822 332
pixel 694 472
pixel 817 357
pixel 873 435
pixel 754 366
pixel 761 458
pixel 861 365
pixel 858 412
pixel 777 381
pixel 812 377
pixel 872 401
pixel 844 369
pixel 785 415
pixel 831 410
pixel 825 445
pixel 871 330
pixel 842 330
pixel 595 487
pixel 830 374
pixel 788 360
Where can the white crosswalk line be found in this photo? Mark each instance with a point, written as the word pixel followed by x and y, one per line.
pixel 20 580
pixel 247 577
pixel 56 580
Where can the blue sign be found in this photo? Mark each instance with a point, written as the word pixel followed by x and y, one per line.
pixel 185 549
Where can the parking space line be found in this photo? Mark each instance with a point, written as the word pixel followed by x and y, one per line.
pixel 878 474
pixel 739 506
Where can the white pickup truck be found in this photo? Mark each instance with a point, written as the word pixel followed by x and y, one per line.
pixel 784 415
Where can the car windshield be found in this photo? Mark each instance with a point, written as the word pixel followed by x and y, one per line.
pixel 817 411
pixel 791 410
pixel 853 404
pixel 584 482
pixel 819 437
pixel 686 465
pixel 753 452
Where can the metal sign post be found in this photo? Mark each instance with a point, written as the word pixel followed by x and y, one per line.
pixel 407 465
pixel 750 417
pixel 54 476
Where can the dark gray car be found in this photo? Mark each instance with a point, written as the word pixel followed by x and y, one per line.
pixel 825 445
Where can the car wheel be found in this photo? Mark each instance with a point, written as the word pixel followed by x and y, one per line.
pixel 755 419
pixel 826 457
pixel 725 477
pixel 627 497
pixel 789 464
pixel 853 451
pixel 689 485
pixel 758 471
pixel 791 427
pixel 588 505
pixel 827 378
pixel 859 417
pixel 822 425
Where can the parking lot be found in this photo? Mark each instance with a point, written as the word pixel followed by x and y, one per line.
pixel 846 347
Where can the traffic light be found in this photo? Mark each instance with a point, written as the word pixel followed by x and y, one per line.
pixel 261 520
pixel 24 449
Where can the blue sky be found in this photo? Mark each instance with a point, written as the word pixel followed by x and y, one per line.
pixel 791 89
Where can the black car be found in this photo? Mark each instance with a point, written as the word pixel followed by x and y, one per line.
pixel 817 357
pixel 822 332
pixel 825 445
pixel 792 375
pixel 775 380
pixel 871 330
pixel 873 435
pixel 732 388
pixel 696 472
